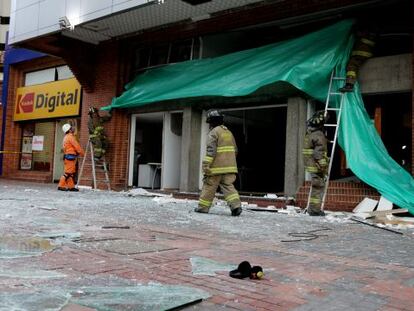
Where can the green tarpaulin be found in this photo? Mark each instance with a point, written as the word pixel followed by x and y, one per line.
pixel 306 63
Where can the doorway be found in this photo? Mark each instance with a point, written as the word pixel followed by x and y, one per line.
pixel 260 134
pixel 155 152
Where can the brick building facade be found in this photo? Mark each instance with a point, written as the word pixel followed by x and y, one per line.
pixel 103 69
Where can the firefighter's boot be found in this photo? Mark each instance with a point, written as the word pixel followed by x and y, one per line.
pixel 348 87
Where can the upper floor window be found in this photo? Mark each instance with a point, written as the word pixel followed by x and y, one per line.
pixel 48 75
pixel 158 55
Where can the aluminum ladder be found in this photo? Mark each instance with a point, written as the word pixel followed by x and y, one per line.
pixel 101 163
pixel 332 93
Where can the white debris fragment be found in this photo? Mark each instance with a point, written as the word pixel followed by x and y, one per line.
pixel 47 208
pixel 171 200
pixel 384 204
pixel 31 190
pixel 366 205
pixel 85 187
pixel 338 217
pixel 142 192
pixel 271 196
pixel 293 208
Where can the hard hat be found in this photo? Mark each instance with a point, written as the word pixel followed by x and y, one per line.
pixel 214 114
pixel 66 127
pixel 318 118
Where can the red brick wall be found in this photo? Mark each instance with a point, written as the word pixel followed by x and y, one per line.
pixel 106 86
pixel 342 196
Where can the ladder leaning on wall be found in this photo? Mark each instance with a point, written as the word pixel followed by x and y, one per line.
pixel 97 165
pixel 333 125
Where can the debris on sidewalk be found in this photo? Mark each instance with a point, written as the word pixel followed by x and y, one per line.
pixel 17 247
pixel 30 274
pixel 170 200
pixel 306 236
pixel 144 193
pixel 365 206
pixel 47 208
pixel 373 225
pixel 152 296
pixel 115 227
pixel 205 266
pixel 384 204
pixel 382 216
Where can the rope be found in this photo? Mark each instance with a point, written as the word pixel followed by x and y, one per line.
pixel 306 236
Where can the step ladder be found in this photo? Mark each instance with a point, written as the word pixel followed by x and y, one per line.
pixel 332 94
pixel 97 166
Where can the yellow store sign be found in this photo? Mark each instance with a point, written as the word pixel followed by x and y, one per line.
pixel 49 100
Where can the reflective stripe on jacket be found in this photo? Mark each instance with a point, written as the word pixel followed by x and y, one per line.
pixel 363 47
pixel 315 151
pixel 221 152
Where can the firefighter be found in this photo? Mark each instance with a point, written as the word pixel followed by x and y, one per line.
pixel 316 160
pixel 97 133
pixel 361 51
pixel 219 166
pixel 71 151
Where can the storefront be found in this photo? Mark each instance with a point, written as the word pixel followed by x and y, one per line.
pixel 48 99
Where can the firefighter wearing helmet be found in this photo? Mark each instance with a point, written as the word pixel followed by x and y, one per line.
pixel 219 166
pixel 71 151
pixel 316 160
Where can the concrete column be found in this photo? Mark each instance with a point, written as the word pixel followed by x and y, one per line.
pixel 190 150
pixel 295 133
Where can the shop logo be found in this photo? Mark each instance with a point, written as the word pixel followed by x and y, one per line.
pixel 25 103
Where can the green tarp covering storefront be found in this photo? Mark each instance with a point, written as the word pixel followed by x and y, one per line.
pixel 306 63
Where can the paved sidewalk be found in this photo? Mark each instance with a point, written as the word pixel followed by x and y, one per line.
pixel 347 266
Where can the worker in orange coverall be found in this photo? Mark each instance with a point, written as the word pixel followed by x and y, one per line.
pixel 71 151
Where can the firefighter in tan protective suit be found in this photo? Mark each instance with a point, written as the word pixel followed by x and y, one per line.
pixel 71 151
pixel 361 52
pixel 219 166
pixel 316 161
pixel 97 132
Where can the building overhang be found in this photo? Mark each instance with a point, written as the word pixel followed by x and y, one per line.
pixel 165 17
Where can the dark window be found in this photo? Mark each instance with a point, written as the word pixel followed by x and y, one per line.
pixel 2 46
pixel 5 20
pixel 181 51
pixel 159 55
pixel 142 58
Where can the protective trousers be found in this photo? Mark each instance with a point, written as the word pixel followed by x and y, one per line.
pixel 318 187
pixel 67 180
pixel 210 185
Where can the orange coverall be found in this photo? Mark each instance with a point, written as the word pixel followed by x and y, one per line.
pixel 70 147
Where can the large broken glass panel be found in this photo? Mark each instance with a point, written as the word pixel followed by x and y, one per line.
pixel 205 266
pixel 141 297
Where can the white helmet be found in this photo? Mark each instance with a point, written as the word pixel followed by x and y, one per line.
pixel 66 127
